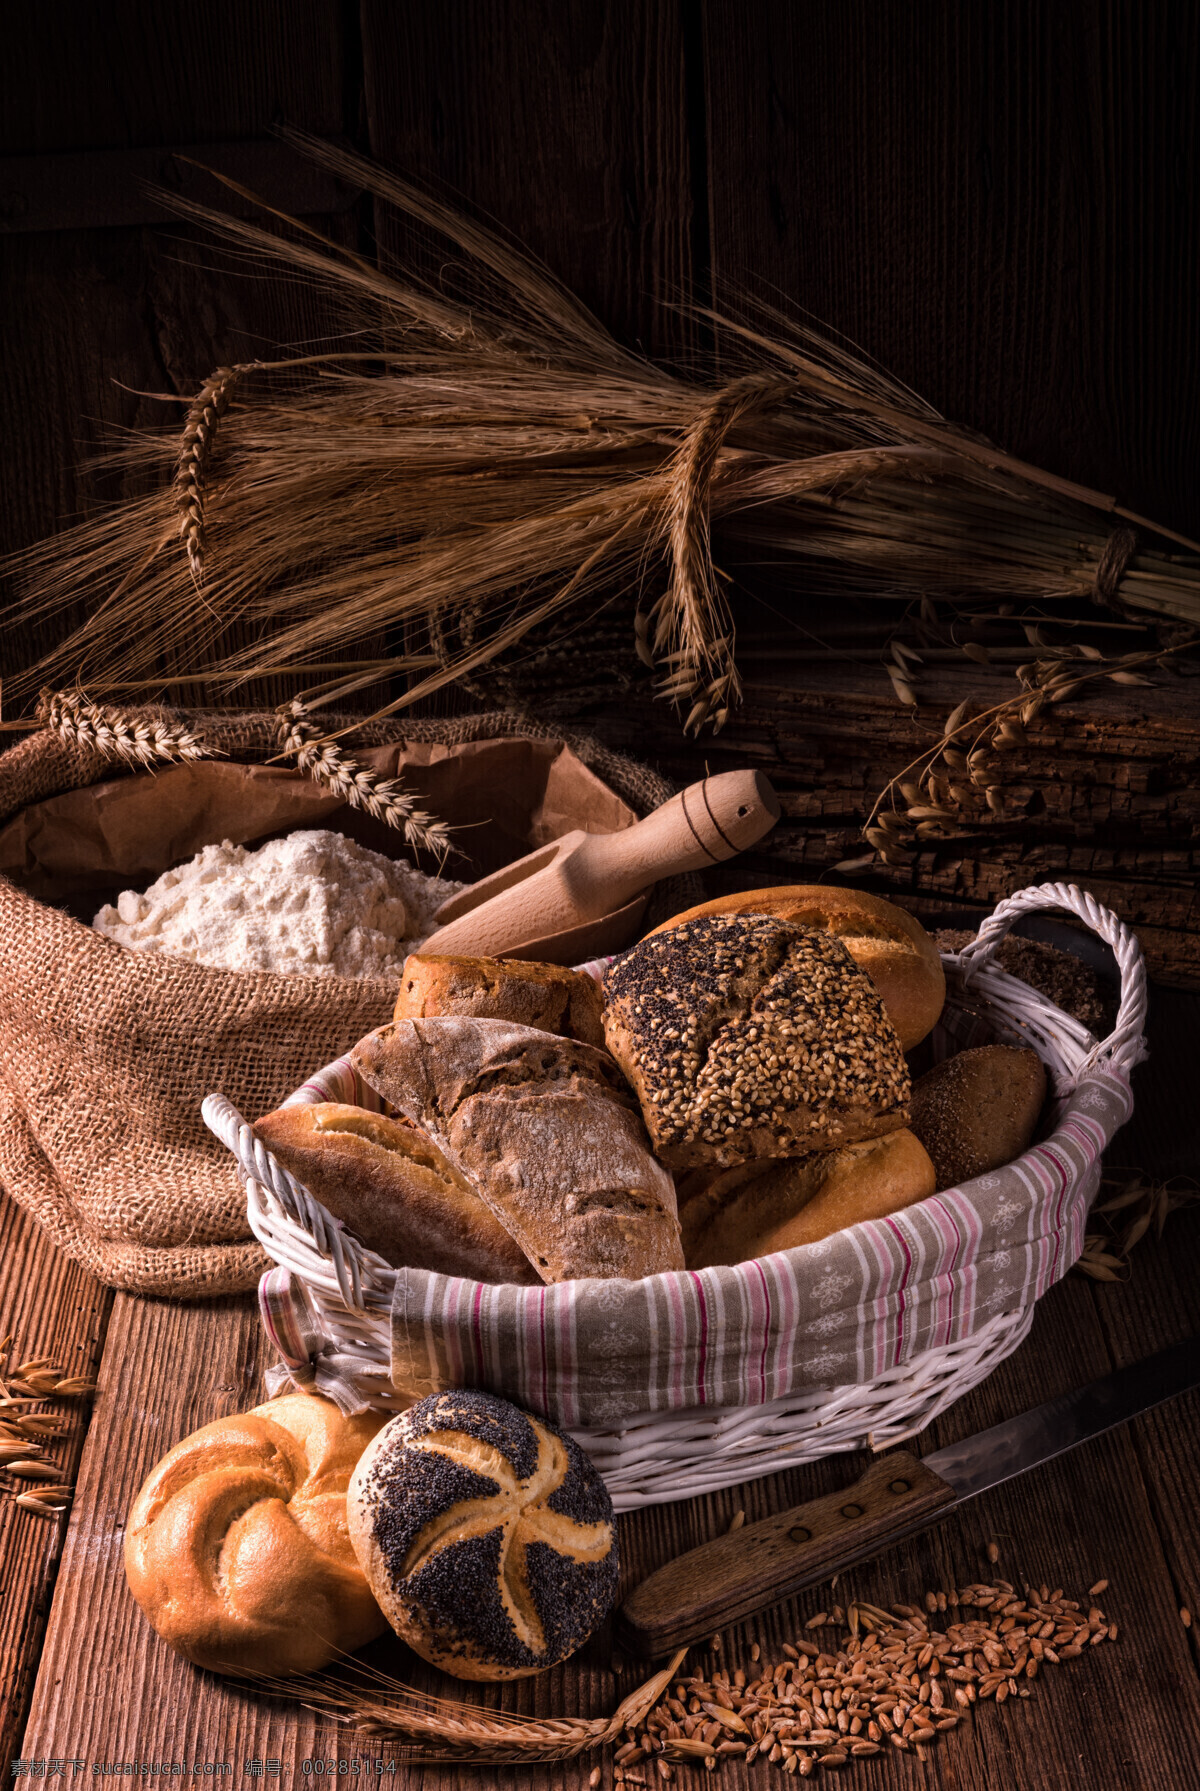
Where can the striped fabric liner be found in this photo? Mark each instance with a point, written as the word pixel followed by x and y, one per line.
pixel 829 1314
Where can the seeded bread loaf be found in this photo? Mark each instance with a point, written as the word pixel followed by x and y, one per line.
pixel 760 1207
pixel 546 1132
pixel 547 996
pixel 894 949
pixel 977 1111
pixel 387 1181
pixel 744 1036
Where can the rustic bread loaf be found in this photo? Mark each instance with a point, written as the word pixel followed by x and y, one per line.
pixel 979 1110
pixel 237 1549
pixel 529 994
pixel 546 1132
pixel 760 1207
pixel 486 1535
pixel 386 1180
pixel 894 949
pixel 744 1036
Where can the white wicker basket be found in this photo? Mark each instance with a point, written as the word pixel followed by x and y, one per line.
pixel 328 1306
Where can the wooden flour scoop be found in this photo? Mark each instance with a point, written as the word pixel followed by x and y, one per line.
pixel 586 893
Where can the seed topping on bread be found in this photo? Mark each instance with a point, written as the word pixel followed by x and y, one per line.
pixel 732 1024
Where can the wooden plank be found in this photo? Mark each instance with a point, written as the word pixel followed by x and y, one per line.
pixel 995 200
pixel 1085 1516
pixel 566 124
pixel 51 1307
pixel 106 319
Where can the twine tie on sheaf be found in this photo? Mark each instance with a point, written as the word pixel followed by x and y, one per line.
pixel 693 630
pixel 1119 549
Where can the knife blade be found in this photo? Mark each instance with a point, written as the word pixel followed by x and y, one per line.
pixel 725 1581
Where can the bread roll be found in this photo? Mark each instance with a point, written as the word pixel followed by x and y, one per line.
pixel 547 996
pixel 237 1549
pixel 979 1110
pixel 761 1207
pixel 386 1180
pixel 546 1132
pixel 894 949
pixel 744 1036
pixel 486 1535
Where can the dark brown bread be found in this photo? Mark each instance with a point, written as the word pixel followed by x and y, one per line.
pixel 547 996
pixel 546 1132
pixel 979 1110
pixel 745 1036
pixel 386 1180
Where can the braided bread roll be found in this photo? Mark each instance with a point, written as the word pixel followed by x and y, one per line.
pixel 237 1548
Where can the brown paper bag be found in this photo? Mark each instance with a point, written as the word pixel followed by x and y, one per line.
pixel 106 1054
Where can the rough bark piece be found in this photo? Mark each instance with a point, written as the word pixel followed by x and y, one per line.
pixel 544 1129
pixel 745 1036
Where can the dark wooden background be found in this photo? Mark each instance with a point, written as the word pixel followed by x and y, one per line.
pixel 998 200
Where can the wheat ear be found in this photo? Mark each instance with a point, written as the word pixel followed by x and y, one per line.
pixel 195 451
pixel 381 797
pixel 133 738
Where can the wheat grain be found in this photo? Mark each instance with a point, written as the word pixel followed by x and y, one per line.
pixel 195 453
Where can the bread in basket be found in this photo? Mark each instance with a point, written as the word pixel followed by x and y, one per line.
pixel 689 1381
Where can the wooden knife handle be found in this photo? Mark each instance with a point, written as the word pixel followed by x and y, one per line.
pixel 725 1581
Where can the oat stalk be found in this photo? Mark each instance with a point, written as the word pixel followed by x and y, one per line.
pixel 383 798
pixel 135 739
pixel 960 775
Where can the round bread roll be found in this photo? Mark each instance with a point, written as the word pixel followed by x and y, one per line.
pixel 388 1182
pixel 236 1547
pixel 486 1535
pixel 760 1207
pixel 894 949
pixel 979 1110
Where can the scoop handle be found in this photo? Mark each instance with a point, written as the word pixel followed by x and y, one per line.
pixel 707 823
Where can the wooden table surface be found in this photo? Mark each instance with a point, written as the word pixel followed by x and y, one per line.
pixel 84 1679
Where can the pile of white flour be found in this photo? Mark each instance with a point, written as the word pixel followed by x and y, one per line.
pixel 313 904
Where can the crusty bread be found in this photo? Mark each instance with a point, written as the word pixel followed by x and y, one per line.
pixel 547 996
pixel 486 1535
pixel 387 1181
pixel 894 949
pixel 761 1207
pixel 744 1036
pixel 237 1548
pixel 979 1110
pixel 544 1129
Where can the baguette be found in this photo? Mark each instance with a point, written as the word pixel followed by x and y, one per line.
pixel 389 1184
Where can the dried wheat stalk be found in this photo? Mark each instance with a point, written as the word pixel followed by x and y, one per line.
pixel 382 798
pixel 41 1488
pixel 204 413
pixel 132 738
pixel 503 454
pixel 449 1729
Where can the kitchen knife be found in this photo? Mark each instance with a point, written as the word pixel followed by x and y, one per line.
pixel 725 1581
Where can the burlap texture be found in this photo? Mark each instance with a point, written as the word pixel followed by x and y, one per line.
pixel 106 1054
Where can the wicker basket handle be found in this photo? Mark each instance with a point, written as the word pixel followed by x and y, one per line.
pixel 1125 1045
pixel 355 1268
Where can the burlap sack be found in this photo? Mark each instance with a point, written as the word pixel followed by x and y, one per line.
pixel 106 1054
